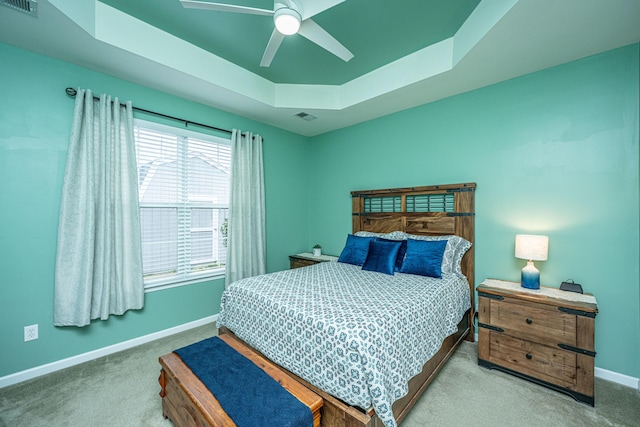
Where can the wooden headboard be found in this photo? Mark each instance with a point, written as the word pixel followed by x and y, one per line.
pixel 429 210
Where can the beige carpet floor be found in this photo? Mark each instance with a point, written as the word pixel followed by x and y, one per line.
pixel 122 390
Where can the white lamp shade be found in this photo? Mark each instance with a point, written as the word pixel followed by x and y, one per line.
pixel 531 247
pixel 287 21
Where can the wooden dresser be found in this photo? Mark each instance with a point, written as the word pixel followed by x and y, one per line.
pixel 545 336
pixel 306 258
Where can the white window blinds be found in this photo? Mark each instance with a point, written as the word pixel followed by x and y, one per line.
pixel 183 181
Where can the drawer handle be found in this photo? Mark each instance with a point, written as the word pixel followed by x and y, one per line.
pixel 529 356
pixel 529 321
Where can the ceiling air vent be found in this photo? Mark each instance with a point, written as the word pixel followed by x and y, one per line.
pixel 30 7
pixel 308 117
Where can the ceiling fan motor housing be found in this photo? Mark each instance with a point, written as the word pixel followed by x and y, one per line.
pixel 287 18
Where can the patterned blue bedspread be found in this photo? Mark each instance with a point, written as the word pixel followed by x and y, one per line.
pixel 358 335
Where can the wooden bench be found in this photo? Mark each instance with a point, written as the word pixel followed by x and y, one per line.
pixel 186 401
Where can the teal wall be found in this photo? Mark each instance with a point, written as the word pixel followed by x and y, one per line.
pixel 553 152
pixel 35 121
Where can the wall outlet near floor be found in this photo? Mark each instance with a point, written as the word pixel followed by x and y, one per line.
pixel 30 333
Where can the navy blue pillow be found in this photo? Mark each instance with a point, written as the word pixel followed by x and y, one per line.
pixel 401 252
pixel 382 256
pixel 424 257
pixel 355 250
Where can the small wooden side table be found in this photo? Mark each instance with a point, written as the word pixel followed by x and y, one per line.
pixel 306 258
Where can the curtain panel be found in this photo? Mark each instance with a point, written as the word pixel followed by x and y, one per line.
pixel 99 255
pixel 246 249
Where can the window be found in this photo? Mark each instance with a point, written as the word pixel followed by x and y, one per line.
pixel 183 184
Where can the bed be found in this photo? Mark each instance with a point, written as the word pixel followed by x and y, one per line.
pixel 325 324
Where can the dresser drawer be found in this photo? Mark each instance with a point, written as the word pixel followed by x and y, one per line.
pixel 536 322
pixel 553 365
pixel 545 337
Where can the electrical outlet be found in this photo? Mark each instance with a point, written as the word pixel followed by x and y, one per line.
pixel 30 333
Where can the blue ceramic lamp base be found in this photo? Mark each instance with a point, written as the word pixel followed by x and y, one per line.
pixel 530 276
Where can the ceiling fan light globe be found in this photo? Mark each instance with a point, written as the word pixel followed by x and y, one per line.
pixel 287 21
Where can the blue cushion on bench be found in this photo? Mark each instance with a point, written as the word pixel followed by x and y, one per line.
pixel 246 393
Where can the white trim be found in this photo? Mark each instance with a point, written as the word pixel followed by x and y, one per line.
pixel 28 374
pixel 605 374
pixel 162 286
pixel 615 377
pixel 105 351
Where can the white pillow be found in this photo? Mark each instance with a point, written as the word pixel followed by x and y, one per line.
pixel 370 234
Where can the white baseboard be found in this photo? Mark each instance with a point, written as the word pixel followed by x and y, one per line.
pixel 28 374
pixel 85 357
pixel 615 377
pixel 605 374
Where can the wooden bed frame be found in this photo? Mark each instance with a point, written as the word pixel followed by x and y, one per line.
pixel 427 210
pixel 384 211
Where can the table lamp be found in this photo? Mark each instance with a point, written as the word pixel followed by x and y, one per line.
pixel 532 248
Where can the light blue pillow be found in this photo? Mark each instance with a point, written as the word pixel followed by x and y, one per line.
pixel 424 257
pixel 355 250
pixel 382 256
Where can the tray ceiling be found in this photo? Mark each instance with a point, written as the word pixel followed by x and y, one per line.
pixel 407 53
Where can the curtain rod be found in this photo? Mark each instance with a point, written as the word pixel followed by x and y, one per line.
pixel 72 93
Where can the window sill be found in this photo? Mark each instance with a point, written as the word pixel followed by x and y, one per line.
pixel 152 287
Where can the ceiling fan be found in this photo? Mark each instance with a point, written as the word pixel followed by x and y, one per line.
pixel 290 18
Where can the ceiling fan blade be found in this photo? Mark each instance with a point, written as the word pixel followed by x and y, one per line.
pixel 221 7
pixel 309 8
pixel 272 48
pixel 314 32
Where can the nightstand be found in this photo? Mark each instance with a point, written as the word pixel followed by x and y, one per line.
pixel 306 258
pixel 545 336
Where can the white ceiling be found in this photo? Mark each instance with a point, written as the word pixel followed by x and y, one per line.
pixel 501 39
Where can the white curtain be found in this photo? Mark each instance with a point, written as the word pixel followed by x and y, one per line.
pixel 246 249
pixel 99 256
